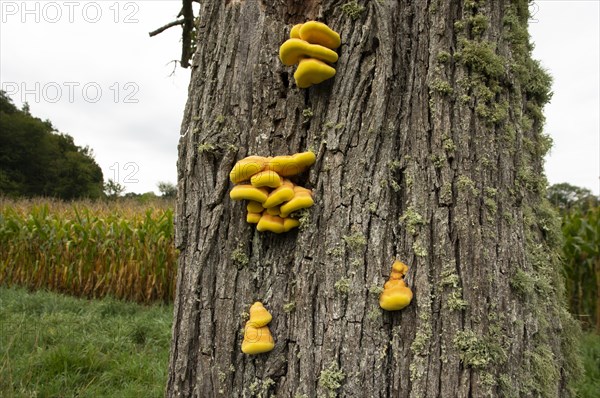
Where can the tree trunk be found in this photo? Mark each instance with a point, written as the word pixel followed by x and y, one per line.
pixel 429 150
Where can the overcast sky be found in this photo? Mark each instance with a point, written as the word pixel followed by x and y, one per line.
pixel 90 67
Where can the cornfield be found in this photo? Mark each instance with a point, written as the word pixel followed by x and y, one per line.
pixel 89 249
pixel 581 256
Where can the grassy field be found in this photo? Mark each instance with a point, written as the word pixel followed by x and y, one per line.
pixel 58 346
pixel 590 349
pixel 92 249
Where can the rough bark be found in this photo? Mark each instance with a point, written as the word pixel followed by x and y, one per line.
pixel 429 150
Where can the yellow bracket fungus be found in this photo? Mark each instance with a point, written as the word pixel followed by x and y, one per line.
pixel 253 218
pixel 279 195
pixel 291 165
pixel 312 71
pixel 301 200
pixel 290 223
pixel 305 159
pixel 295 31
pixel 268 192
pixel 319 33
pixel 255 210
pixel 266 178
pixel 259 315
pixel 396 295
pixel 246 168
pixel 273 211
pixel 399 266
pixel 293 50
pixel 311 45
pixel 254 207
pixel 302 190
pixel 270 223
pixel 257 336
pixel 248 192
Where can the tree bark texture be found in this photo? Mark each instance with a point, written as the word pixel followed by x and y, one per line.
pixel 429 150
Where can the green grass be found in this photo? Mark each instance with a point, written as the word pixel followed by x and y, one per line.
pixel 58 346
pixel 590 349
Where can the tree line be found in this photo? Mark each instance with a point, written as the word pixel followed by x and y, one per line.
pixel 37 160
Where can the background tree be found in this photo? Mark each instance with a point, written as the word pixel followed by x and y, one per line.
pixel 580 212
pixel 565 196
pixel 167 189
pixel 35 160
pixel 429 149
pixel 113 189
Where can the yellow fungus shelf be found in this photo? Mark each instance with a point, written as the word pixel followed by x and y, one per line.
pixel 270 223
pixel 301 200
pixel 272 198
pixel 319 33
pixel 312 71
pixel 293 50
pixel 396 295
pixel 257 336
pixel 255 207
pixel 287 166
pixel 311 45
pixel 248 192
pixel 266 178
pixel 246 168
pixel 279 195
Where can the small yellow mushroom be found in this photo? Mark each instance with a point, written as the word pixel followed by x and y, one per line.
pixel 400 267
pixel 299 189
pixel 284 165
pixel 248 192
pixel 270 223
pixel 287 166
pixel 319 33
pixel 396 295
pixel 246 168
pixel 257 336
pixel 312 71
pixel 305 159
pixel 293 50
pixel 295 31
pixel 267 178
pixel 395 275
pixel 290 223
pixel 274 211
pixel 301 200
pixel 254 207
pixel 257 340
pixel 253 218
pixel 259 316
pixel 280 195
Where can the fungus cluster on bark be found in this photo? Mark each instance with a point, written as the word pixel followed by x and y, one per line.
pixel 257 336
pixel 272 198
pixel 311 45
pixel 396 295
